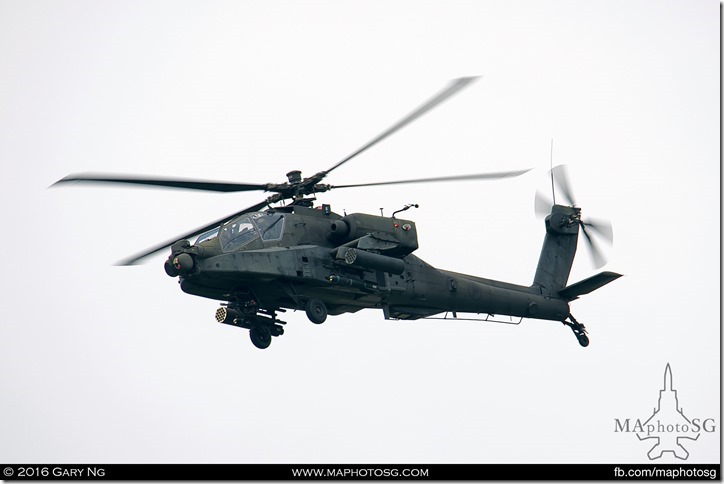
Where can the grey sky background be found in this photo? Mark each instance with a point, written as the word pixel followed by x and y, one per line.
pixel 115 364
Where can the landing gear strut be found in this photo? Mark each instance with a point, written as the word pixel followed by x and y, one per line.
pixel 579 330
pixel 261 323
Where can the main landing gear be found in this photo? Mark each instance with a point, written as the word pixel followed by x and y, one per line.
pixel 579 330
pixel 263 323
pixel 316 311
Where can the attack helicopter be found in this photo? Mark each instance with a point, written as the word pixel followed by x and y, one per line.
pixel 267 258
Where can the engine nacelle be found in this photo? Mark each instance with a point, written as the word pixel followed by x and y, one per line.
pixel 391 236
pixel 338 230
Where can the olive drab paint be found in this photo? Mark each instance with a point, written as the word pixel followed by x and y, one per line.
pixel 297 256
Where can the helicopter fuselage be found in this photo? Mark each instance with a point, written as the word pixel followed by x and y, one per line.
pixel 298 257
pixel 285 258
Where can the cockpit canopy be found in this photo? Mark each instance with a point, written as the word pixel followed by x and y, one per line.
pixel 208 235
pixel 248 227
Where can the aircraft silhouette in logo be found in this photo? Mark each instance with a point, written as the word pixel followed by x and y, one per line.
pixel 668 424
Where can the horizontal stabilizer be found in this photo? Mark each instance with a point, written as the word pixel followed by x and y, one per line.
pixel 587 285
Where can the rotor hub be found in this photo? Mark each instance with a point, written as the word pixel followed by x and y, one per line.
pixel 294 177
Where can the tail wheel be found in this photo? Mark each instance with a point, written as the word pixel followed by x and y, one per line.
pixel 261 336
pixel 582 340
pixel 579 330
pixel 316 311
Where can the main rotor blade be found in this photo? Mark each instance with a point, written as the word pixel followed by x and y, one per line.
pixel 560 174
pixel 596 255
pixel 454 86
pixel 135 259
pixel 480 176
pixel 188 184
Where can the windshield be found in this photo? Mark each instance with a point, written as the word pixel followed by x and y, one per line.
pixel 242 230
pixel 270 225
pixel 237 233
pixel 207 236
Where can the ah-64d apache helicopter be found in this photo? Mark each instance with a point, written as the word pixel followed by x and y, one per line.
pixel 297 256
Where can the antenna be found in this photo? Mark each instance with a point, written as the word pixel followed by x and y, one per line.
pixel 553 188
pixel 406 207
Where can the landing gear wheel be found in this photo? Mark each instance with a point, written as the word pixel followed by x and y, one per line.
pixel 582 340
pixel 261 336
pixel 316 311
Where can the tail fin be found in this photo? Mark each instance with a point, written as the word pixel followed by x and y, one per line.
pixel 559 249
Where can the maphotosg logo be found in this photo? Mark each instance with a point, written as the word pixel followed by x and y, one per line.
pixel 668 428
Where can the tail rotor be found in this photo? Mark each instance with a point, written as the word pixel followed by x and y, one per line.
pixel 594 230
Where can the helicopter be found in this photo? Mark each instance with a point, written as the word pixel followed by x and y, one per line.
pixel 267 259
